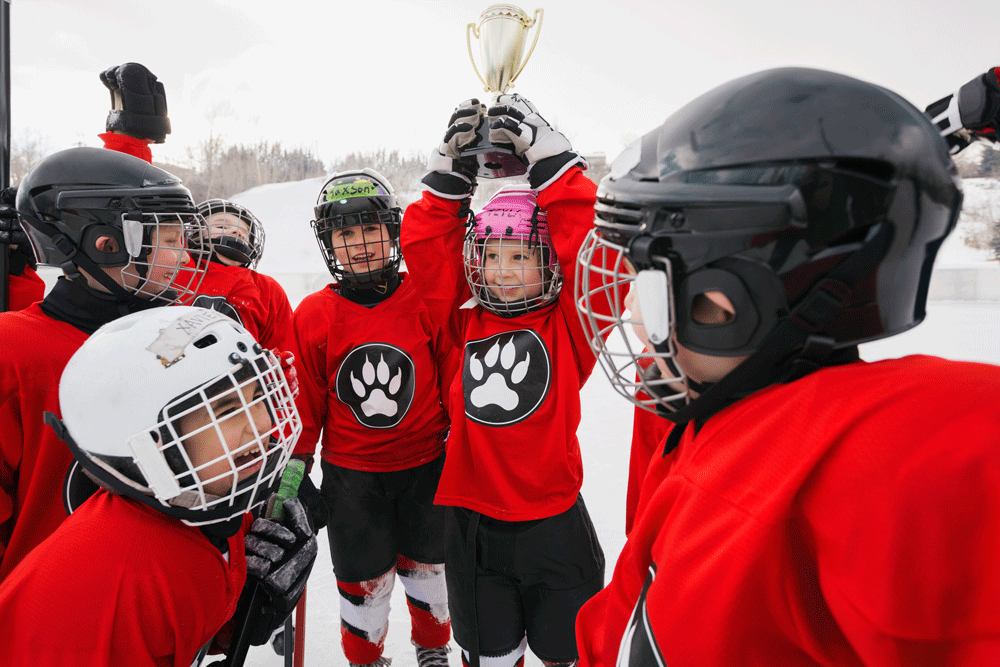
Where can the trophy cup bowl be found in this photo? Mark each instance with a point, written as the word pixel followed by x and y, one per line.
pixel 502 34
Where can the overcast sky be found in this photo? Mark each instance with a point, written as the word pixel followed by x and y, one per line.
pixel 339 76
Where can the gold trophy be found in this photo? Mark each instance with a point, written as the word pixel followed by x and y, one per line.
pixel 502 33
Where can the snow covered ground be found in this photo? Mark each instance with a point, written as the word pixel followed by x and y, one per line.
pixel 967 330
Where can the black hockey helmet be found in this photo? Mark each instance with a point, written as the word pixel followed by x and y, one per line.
pixel 814 201
pixel 228 240
pixel 353 198
pixel 73 197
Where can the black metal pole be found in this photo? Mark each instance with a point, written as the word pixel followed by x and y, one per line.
pixel 4 139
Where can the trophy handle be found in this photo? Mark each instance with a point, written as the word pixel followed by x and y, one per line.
pixel 536 23
pixel 470 30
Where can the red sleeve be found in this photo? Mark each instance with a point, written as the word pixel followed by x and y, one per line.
pixel 308 344
pixel 276 327
pixel 24 289
pixel 432 237
pixel 124 143
pixel 569 203
pixel 10 457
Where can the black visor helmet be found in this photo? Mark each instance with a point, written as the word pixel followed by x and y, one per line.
pixel 348 205
pixel 75 197
pixel 815 202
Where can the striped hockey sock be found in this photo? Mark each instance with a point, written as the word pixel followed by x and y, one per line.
pixel 427 600
pixel 364 617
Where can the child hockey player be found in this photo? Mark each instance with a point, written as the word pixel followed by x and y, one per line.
pixel 807 507
pixel 522 552
pixel 231 284
pixel 117 225
pixel 187 424
pixel 367 353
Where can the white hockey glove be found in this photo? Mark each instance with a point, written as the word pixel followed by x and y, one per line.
pixel 514 120
pixel 450 175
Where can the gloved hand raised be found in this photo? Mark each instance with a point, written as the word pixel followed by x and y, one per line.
pixel 450 175
pixel 971 113
pixel 514 120
pixel 138 102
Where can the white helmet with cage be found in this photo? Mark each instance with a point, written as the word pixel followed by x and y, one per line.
pixel 181 409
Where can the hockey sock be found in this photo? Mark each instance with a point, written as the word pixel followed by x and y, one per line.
pixel 512 658
pixel 427 600
pixel 364 616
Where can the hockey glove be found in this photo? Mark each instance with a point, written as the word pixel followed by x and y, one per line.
pixel 449 174
pixel 138 102
pixel 280 556
pixel 514 120
pixel 287 360
pixel 12 234
pixel 971 113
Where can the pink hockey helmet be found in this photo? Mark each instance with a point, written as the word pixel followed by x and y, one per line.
pixel 512 218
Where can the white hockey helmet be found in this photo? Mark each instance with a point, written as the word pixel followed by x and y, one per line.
pixel 181 409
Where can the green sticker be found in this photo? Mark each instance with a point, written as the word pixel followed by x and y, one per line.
pixel 362 187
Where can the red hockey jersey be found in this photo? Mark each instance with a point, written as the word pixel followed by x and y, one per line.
pixel 119 583
pixel 24 289
pixel 850 517
pixel 259 300
pixel 649 430
pixel 369 380
pixel 34 463
pixel 514 403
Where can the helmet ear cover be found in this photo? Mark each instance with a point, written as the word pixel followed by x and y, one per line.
pixel 119 257
pixel 758 299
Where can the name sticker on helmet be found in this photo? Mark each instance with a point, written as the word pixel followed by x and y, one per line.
pixel 169 346
pixel 359 188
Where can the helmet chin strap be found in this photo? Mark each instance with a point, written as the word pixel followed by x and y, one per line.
pixel 796 346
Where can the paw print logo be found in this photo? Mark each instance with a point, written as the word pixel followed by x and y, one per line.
pixel 376 382
pixel 505 377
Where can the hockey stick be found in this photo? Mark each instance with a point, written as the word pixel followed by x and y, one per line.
pixel 249 605
pixel 4 139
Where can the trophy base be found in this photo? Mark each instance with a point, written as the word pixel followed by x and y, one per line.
pixel 495 160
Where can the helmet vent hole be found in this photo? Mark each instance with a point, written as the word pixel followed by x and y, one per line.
pixel 241 346
pixel 206 341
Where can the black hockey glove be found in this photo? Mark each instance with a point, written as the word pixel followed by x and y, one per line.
pixel 449 174
pixel 280 556
pixel 514 120
pixel 971 113
pixel 12 234
pixel 138 102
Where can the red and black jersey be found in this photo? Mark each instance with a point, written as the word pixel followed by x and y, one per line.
pixel 24 289
pixel 34 463
pixel 849 517
pixel 514 399
pixel 648 433
pixel 260 302
pixel 369 380
pixel 119 583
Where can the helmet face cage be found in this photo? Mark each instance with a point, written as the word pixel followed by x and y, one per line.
pixel 227 441
pixel 360 248
pixel 235 232
pixel 165 266
pixel 357 227
pixel 607 298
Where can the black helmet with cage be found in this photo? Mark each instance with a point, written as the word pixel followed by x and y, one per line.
pixel 75 197
pixel 237 234
pixel 358 198
pixel 814 202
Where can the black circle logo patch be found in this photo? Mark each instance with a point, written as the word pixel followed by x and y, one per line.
pixel 376 381
pixel 505 377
